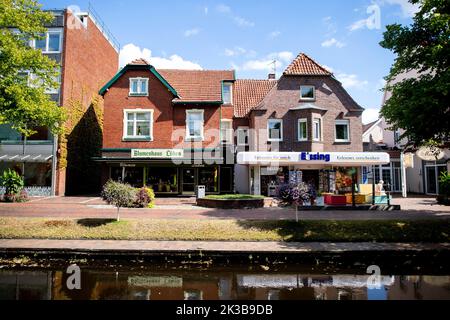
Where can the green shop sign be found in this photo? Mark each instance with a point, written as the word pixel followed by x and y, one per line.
pixel 157 153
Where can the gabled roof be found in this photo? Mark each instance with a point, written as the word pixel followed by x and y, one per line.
pixel 248 94
pixel 367 127
pixel 203 86
pixel 188 86
pixel 138 64
pixel 305 66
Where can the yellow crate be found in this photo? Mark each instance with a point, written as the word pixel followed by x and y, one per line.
pixel 359 198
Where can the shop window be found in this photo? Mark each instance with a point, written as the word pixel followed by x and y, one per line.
pixel 275 130
pixel 307 93
pixel 208 177
pixel 116 173
pixel 49 43
pixel 134 176
pixel 193 295
pixel 138 124
pixel 226 131
pixel 194 125
pixel 138 86
pixel 38 174
pixel 227 93
pixel 317 129
pixel 302 130
pixel 342 131
pixel 242 136
pixel 162 180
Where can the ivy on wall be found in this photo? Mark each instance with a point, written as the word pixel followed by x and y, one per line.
pixel 81 141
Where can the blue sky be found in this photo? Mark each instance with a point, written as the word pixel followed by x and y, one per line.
pixel 248 35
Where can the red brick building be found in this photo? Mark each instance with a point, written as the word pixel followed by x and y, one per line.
pixel 162 128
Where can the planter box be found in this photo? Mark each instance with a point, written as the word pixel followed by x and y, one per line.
pixel 335 200
pixel 230 204
pixel 359 198
pixel 381 199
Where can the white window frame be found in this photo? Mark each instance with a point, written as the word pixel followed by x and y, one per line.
pixel 229 84
pixel 301 121
pixel 268 130
pixel 229 133
pixel 319 121
pixel 47 41
pixel 195 138
pixel 342 122
pixel 240 131
pixel 139 87
pixel 31 77
pixel 308 99
pixel 125 135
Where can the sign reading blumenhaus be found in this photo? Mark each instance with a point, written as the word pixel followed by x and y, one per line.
pixel 157 153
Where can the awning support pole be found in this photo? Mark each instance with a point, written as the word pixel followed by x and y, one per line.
pixel 373 185
pixel 353 189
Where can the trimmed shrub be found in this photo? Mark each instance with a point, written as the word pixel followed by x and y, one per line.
pixel 119 194
pixel 13 184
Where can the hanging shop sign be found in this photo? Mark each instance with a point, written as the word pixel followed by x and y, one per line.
pixel 157 153
pixel 430 153
pixel 325 158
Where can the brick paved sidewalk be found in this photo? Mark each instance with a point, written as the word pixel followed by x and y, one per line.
pixel 121 246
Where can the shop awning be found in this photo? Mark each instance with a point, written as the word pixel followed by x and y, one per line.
pixel 26 158
pixel 325 159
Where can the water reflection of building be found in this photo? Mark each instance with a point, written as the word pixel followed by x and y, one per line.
pixel 25 285
pixel 216 285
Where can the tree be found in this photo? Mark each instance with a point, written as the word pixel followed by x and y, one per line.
pixel 23 102
pixel 118 194
pixel 420 104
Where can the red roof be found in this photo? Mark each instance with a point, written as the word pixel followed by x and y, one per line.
pixel 248 94
pixel 197 85
pixel 305 66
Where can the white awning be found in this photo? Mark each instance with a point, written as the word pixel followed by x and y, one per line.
pixel 313 158
pixel 26 158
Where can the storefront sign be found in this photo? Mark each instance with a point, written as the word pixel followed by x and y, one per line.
pixel 325 158
pixel 430 153
pixel 157 153
pixel 166 282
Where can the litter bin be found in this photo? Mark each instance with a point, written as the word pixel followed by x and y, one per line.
pixel 201 192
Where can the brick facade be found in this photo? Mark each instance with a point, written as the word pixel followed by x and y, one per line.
pixel 330 96
pixel 88 61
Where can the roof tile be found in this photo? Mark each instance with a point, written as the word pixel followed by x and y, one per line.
pixel 305 66
pixel 248 94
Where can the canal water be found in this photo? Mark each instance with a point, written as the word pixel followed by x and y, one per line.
pixel 180 282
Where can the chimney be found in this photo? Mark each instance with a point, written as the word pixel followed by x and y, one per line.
pixel 271 76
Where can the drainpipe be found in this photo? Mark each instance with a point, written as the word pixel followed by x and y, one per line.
pixel 54 164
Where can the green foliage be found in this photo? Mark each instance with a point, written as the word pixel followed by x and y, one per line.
pixel 419 105
pixel 119 194
pixel 23 106
pixel 145 198
pixel 12 182
pixel 444 184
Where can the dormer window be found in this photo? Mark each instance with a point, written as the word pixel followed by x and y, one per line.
pixel 138 86
pixel 227 93
pixel 307 93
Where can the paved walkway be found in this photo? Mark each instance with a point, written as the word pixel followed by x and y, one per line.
pixel 92 207
pixel 121 246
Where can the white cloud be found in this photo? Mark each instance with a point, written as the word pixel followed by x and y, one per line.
pixel 370 114
pixel 223 8
pixel 191 32
pixel 330 69
pixel 236 51
pixel 350 81
pixel 358 25
pixel 274 34
pixel 332 42
pixel 330 26
pixel 131 52
pixel 238 20
pixel 408 9
pixel 206 10
pixel 282 58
